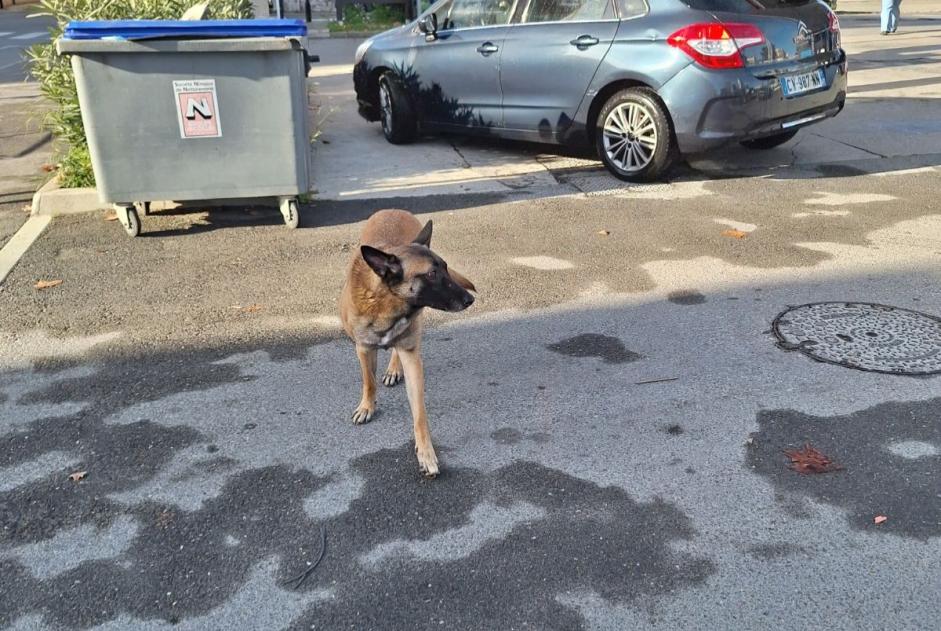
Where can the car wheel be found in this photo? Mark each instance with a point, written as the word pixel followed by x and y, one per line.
pixel 769 142
pixel 395 111
pixel 634 137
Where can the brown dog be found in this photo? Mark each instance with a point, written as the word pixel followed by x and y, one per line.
pixel 392 277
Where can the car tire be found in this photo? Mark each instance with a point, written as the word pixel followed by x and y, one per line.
pixel 396 114
pixel 769 142
pixel 634 136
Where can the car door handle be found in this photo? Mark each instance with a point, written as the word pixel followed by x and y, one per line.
pixel 584 41
pixel 487 48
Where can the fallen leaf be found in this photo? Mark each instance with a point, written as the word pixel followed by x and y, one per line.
pixel 46 284
pixel 164 518
pixel 735 234
pixel 604 233
pixel 78 475
pixel 111 216
pixel 48 168
pixel 809 460
pixel 880 519
pixel 252 308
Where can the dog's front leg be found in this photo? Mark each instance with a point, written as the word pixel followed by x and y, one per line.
pixel 415 386
pixel 394 371
pixel 367 364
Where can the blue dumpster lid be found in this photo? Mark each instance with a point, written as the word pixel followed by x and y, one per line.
pixel 183 29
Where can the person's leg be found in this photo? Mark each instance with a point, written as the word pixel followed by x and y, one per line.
pixel 887 6
pixel 895 15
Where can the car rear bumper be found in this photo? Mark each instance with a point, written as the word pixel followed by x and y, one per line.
pixel 711 108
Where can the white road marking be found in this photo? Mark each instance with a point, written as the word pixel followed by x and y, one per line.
pixel 33 35
pixel 542 262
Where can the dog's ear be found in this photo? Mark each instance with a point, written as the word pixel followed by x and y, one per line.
pixel 460 280
pixel 424 237
pixel 387 266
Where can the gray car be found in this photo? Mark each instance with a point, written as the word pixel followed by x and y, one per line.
pixel 643 81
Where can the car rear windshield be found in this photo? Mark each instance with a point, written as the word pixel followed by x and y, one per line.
pixel 741 6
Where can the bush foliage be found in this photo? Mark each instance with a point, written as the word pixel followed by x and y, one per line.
pixel 54 73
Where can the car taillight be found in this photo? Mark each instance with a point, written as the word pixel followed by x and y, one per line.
pixel 717 45
pixel 834 26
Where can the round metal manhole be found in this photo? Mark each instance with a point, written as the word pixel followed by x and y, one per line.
pixel 864 336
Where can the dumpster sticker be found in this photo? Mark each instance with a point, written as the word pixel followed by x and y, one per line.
pixel 197 108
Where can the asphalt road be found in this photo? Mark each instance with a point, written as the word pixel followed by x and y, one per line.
pixel 16 33
pixel 611 414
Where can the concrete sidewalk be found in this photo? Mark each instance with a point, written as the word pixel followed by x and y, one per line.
pixel 24 149
pixel 909 7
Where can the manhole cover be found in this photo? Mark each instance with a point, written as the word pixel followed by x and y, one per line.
pixel 864 336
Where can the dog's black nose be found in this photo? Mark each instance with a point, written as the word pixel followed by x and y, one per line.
pixel 468 300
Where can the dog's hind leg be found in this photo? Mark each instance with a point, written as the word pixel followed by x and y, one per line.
pixel 415 386
pixel 367 364
pixel 394 372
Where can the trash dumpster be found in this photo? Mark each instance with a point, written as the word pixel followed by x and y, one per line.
pixel 193 110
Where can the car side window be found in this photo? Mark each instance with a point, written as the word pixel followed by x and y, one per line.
pixel 569 11
pixel 632 8
pixel 458 14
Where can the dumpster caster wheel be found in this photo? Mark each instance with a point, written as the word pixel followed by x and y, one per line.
pixel 290 213
pixel 129 219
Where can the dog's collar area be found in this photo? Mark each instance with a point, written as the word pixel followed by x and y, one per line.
pixel 390 335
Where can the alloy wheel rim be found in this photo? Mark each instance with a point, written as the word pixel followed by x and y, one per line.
pixel 385 108
pixel 630 137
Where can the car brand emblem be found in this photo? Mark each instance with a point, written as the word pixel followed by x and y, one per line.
pixel 804 35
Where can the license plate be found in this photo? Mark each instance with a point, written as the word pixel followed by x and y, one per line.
pixel 795 84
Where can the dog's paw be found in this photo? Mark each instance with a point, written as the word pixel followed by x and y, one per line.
pixel 363 414
pixel 427 461
pixel 392 378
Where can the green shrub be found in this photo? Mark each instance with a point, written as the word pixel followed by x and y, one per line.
pixel 387 14
pixel 354 15
pixel 54 73
pixel 357 18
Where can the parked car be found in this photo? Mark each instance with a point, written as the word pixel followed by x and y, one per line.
pixel 644 81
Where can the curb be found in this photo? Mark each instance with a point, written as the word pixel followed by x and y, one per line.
pixel 51 200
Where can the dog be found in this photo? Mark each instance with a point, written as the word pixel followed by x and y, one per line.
pixel 391 279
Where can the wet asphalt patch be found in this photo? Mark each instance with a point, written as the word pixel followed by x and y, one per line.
pixel 610 349
pixel 884 474
pixel 686 297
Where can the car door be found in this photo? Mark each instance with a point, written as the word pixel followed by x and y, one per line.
pixel 458 70
pixel 549 57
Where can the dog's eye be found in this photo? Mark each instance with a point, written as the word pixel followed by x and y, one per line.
pixel 432 275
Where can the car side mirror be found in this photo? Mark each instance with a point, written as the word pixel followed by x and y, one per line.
pixel 429 26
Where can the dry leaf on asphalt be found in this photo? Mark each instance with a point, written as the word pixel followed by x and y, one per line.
pixel 880 519
pixel 46 284
pixel 48 168
pixel 604 233
pixel 251 308
pixel 735 234
pixel 809 460
pixel 111 216
pixel 78 475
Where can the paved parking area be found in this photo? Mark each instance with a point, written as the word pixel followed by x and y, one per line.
pixel 611 414
pixel 885 116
